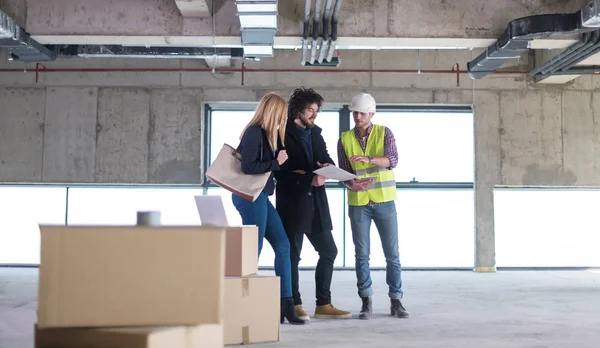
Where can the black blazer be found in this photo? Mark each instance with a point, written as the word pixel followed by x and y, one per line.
pixel 257 155
pixel 294 193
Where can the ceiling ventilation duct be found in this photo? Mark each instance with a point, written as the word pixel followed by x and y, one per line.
pixel 19 45
pixel 258 24
pixel 520 32
pixel 562 64
pixel 104 51
pixel 324 43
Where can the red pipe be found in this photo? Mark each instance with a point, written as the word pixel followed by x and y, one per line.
pixel 402 71
pixel 39 67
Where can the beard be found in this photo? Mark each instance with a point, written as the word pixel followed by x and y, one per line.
pixel 307 122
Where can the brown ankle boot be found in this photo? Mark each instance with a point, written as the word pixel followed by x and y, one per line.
pixel 330 312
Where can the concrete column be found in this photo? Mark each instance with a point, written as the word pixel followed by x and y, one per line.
pixel 485 241
pixel 486 108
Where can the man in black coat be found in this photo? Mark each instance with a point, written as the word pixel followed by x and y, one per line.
pixel 301 200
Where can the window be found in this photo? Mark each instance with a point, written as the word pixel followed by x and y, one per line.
pixel 329 122
pixel 119 205
pixel 435 229
pixel 309 255
pixel 233 217
pixel 547 227
pixel 226 125
pixel 435 146
pixel 22 210
pixel 225 128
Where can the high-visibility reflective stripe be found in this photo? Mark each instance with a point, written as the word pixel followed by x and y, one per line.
pixel 371 170
pixel 380 184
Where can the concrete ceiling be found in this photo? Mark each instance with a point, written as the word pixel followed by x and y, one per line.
pixel 363 24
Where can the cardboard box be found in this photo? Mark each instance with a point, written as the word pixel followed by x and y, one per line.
pixel 200 336
pixel 113 276
pixel 252 310
pixel 241 251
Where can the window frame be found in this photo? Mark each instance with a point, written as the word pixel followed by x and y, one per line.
pixel 209 108
pixel 344 125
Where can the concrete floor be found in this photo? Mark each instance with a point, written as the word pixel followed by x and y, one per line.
pixel 448 309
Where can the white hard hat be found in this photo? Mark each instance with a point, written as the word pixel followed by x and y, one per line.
pixel 363 102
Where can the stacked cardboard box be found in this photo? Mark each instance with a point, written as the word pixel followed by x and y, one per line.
pixel 131 287
pixel 252 304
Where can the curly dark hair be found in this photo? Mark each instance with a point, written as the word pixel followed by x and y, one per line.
pixel 300 99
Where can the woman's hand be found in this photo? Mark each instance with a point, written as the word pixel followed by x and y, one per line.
pixel 282 157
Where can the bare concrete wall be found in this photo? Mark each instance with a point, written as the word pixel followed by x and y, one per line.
pixel 104 135
pixel 144 127
pixel 119 126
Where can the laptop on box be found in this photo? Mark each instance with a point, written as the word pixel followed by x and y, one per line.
pixel 211 211
pixel 241 242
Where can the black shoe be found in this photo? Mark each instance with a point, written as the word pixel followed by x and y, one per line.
pixel 288 311
pixel 397 309
pixel 366 310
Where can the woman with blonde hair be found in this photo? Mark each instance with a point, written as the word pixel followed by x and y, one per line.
pixel 259 148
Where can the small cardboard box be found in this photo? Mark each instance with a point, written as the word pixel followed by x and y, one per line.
pixel 200 336
pixel 252 310
pixel 241 251
pixel 118 276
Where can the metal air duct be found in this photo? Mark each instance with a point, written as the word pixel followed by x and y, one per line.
pixel 258 24
pixel 520 32
pixel 19 45
pixel 305 37
pixel 107 51
pixel 334 23
pixel 327 44
pixel 315 33
pixel 325 41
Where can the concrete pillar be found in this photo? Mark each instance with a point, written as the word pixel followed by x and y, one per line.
pixel 486 110
pixel 148 218
pixel 485 240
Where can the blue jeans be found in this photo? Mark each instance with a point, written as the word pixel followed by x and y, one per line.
pixel 386 220
pixel 261 213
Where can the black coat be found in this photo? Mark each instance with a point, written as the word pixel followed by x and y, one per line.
pixel 294 192
pixel 257 155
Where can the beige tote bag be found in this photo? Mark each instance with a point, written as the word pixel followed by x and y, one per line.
pixel 226 171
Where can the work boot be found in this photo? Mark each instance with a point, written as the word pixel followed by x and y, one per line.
pixel 301 313
pixel 397 309
pixel 366 310
pixel 288 311
pixel 330 312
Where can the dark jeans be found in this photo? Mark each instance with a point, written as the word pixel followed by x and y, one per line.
pixel 324 244
pixel 262 214
pixel 386 220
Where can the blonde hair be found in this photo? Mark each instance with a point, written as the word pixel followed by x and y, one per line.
pixel 271 114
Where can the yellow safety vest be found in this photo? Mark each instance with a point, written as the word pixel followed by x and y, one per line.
pixel 384 187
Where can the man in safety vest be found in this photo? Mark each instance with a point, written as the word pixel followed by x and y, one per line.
pixel 369 151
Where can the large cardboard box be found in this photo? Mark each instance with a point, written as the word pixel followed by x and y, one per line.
pixel 252 309
pixel 199 336
pixel 241 251
pixel 115 276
